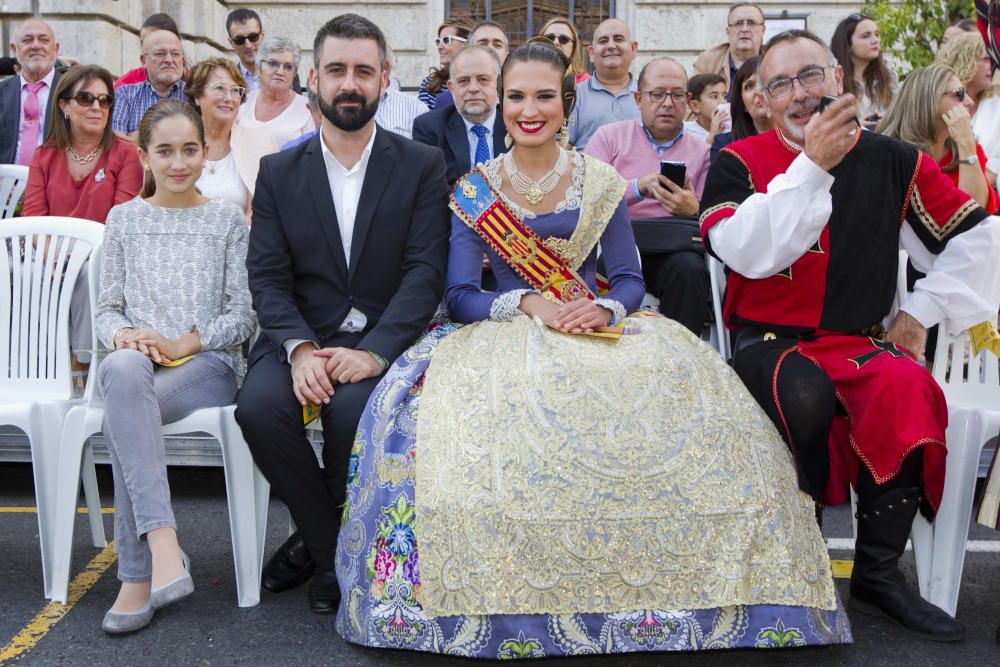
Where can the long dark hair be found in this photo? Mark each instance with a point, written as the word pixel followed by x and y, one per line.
pixel 878 79
pixel 156 113
pixel 541 50
pixel 743 126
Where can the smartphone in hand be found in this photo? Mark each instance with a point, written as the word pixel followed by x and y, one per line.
pixel 673 171
pixel 827 100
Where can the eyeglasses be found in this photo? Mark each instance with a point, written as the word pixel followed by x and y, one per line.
pixel 561 40
pixel 85 99
pixel 276 65
pixel 163 55
pixel 240 40
pixel 746 23
pixel 958 94
pixel 657 96
pixel 222 90
pixel 810 77
pixel 446 40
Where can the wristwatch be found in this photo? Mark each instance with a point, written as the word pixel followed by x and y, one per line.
pixel 972 159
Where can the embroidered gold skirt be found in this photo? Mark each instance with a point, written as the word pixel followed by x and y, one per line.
pixel 563 474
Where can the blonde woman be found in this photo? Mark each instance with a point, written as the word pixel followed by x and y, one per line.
pixel 561 32
pixel 932 113
pixel 966 56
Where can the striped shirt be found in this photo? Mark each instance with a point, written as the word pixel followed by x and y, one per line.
pixel 134 99
pixel 396 111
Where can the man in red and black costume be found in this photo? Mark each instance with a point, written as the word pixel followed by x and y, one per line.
pixel 809 219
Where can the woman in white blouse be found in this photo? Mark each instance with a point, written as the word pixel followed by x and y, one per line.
pixel 275 107
pixel 217 90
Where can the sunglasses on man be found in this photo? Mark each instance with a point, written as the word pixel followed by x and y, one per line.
pixel 240 40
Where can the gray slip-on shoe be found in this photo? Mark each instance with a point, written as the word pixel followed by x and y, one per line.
pixel 120 622
pixel 178 589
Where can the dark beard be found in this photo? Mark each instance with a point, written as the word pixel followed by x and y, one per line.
pixel 348 120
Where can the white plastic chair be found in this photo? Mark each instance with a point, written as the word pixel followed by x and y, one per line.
pixel 13 180
pixel 971 385
pixel 36 387
pixel 247 491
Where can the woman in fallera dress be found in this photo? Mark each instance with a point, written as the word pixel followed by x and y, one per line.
pixel 520 487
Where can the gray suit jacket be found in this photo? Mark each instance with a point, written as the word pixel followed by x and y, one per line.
pixel 10 115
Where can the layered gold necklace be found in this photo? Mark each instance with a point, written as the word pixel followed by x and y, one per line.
pixel 534 191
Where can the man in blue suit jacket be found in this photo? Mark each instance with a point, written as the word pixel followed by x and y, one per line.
pixel 472 131
pixel 36 49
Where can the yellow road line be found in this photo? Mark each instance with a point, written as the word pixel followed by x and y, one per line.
pixel 34 510
pixel 53 612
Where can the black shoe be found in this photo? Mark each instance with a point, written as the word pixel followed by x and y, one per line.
pixel 324 593
pixel 289 567
pixel 878 588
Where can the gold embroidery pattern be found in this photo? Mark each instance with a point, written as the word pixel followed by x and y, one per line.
pixel 940 232
pixel 559 474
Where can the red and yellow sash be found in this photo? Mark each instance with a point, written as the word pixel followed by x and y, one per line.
pixel 475 201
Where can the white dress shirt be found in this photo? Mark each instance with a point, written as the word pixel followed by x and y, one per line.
pixel 345 186
pixel 769 231
pixel 474 138
pixel 43 105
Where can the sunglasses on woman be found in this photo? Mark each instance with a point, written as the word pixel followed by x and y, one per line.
pixel 446 40
pixel 85 99
pixel 561 40
pixel 240 40
pixel 958 94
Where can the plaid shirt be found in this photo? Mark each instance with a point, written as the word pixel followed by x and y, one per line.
pixel 134 99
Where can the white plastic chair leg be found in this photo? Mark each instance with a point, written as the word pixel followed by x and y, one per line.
pixel 244 514
pixel 93 497
pixel 76 431
pixel 922 538
pixel 951 532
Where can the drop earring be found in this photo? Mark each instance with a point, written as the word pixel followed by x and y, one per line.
pixel 508 141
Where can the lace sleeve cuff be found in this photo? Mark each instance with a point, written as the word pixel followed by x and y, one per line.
pixel 617 309
pixel 505 307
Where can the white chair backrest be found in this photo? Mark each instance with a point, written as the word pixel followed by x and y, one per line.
pixel 970 379
pixel 94 269
pixel 13 179
pixel 40 262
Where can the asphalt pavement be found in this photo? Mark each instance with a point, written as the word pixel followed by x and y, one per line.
pixel 209 629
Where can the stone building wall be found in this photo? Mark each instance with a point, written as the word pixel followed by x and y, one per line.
pixel 106 31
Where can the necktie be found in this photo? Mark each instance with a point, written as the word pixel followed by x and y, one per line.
pixel 482 148
pixel 32 123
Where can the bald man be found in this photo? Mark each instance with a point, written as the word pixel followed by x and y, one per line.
pixel 24 99
pixel 163 59
pixel 608 96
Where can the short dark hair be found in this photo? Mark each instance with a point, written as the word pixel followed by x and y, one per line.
pixel 699 82
pixel 350 26
pixel 490 24
pixel 793 35
pixel 242 16
pixel 161 22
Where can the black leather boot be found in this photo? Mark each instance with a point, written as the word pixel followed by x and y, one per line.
pixel 878 588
